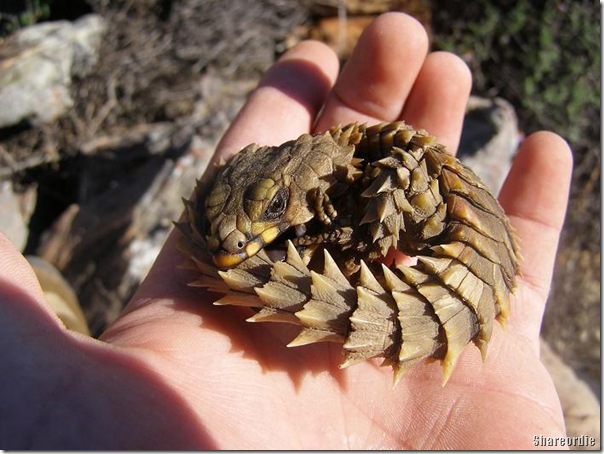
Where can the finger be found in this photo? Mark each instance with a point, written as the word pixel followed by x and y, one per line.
pixel 15 270
pixel 23 305
pixel 286 101
pixel 535 197
pixel 379 75
pixel 438 99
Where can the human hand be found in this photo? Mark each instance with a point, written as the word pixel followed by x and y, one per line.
pixel 176 372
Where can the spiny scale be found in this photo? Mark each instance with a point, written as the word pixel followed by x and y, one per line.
pixel 407 193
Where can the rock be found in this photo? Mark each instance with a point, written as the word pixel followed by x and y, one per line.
pixel 489 139
pixel 37 65
pixel 580 405
pixel 109 159
pixel 130 184
pixel 15 211
pixel 164 205
pixel 105 245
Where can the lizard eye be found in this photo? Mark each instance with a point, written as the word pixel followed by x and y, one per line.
pixel 277 206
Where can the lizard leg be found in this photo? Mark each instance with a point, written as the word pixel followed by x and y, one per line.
pixel 322 206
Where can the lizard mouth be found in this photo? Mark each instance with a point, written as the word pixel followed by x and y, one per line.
pixel 224 259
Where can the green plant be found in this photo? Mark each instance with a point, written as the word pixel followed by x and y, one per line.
pixel 544 56
pixel 21 14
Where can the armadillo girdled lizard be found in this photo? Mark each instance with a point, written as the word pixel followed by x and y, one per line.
pixel 300 232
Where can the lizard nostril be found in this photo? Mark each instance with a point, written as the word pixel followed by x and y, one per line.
pixel 235 242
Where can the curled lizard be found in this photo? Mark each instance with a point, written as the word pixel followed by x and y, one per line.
pixel 300 231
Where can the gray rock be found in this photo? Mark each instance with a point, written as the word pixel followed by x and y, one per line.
pixel 105 245
pixel 489 139
pixel 12 224
pixel 580 405
pixel 38 64
pixel 162 204
pixel 15 211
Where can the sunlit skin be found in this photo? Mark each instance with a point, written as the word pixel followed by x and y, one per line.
pixel 174 371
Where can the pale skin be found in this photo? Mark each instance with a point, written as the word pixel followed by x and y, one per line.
pixel 176 372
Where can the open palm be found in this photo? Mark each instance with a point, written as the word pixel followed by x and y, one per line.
pixel 176 372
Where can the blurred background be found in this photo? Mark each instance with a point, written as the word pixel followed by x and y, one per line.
pixel 109 110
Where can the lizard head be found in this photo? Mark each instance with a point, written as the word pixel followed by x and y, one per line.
pixel 250 220
pixel 251 203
